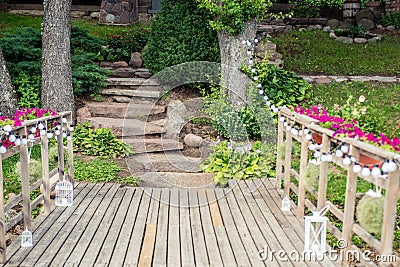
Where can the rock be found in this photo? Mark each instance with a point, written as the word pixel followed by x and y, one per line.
pixel 121 64
pixel 83 113
pixel 136 60
pixel 142 74
pixel 333 23
pixel 124 72
pixel 345 40
pixel 192 140
pixel 319 27
pixel 332 35
pixel 95 15
pixel 110 18
pixel 106 64
pixel 121 99
pixel 77 14
pixel 206 148
pixel 374 40
pixel 265 48
pixel 380 27
pixel 177 116
pixel 365 14
pixel 360 40
pixel 390 28
pixel 323 80
pixel 326 29
pixel 367 24
pixel 274 56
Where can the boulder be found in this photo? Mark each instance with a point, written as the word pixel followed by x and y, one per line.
pixel 95 15
pixel 192 140
pixel 177 116
pixel 110 18
pixel 326 29
pixel 106 64
pixel 124 72
pixel 265 48
pixel 345 40
pixel 390 28
pixel 360 40
pixel 77 14
pixel 332 35
pixel 121 64
pixel 136 60
pixel 366 24
pixel 83 113
pixel 333 23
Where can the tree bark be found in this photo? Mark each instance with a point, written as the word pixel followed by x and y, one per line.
pixel 233 56
pixel 57 91
pixel 8 96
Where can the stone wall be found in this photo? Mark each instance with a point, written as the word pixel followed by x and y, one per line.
pixel 119 11
pixel 393 6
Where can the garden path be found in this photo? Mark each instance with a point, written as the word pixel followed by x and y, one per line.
pixel 130 108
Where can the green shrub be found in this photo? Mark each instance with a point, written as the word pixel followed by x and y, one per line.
pixel 304 9
pixel 28 89
pixel 282 87
pixel 35 170
pixel 180 34
pixel 240 162
pixel 120 47
pixel 82 41
pixel 99 142
pixel 311 177
pixel 22 52
pixel 370 213
pixel 89 79
pixel 391 19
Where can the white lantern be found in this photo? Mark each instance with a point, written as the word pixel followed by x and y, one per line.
pixel 26 238
pixel 315 232
pixel 285 204
pixel 339 153
pixel 344 148
pixel 64 193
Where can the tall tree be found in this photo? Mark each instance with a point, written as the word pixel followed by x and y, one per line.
pixel 57 91
pixel 8 96
pixel 235 21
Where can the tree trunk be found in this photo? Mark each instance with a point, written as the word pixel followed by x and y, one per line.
pixel 57 91
pixel 8 96
pixel 233 56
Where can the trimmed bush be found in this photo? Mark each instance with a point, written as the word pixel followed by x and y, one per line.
pixel 179 34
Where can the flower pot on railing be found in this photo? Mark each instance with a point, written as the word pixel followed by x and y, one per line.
pixel 368 161
pixel 317 138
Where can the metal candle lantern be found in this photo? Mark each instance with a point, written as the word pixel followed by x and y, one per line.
pixel 285 204
pixel 315 232
pixel 26 238
pixel 64 193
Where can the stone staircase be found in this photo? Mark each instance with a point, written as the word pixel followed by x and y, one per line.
pixel 130 109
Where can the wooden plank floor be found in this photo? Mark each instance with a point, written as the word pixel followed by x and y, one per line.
pixel 110 225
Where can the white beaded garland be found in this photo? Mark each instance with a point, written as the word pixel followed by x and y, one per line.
pixel 339 153
pixel 375 171
pixel 365 172
pixel 357 168
pixel 346 161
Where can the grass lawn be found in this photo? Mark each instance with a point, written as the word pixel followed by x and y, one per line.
pixel 314 52
pixel 10 22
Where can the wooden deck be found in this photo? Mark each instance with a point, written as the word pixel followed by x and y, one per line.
pixel 110 225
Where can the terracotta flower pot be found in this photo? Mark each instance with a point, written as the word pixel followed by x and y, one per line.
pixel 370 162
pixel 317 138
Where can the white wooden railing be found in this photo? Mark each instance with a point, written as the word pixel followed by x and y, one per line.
pixel 286 173
pixel 49 177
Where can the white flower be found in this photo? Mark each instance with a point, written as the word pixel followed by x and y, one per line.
pixel 361 99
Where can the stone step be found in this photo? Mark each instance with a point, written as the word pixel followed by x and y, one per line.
pixel 132 93
pixel 123 110
pixel 132 82
pixel 145 145
pixel 176 179
pixel 124 127
pixel 163 162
